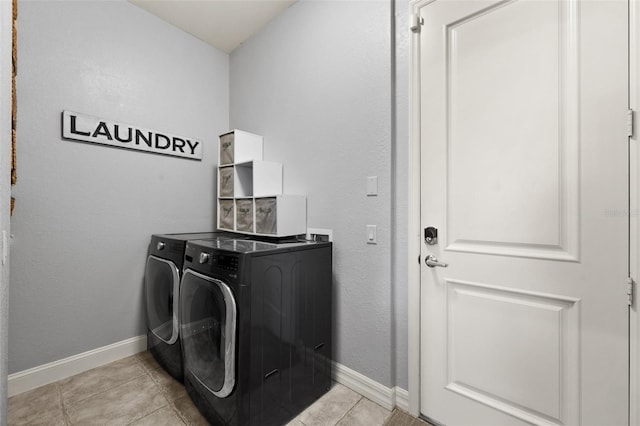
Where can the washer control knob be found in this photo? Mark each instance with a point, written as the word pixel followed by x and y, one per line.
pixel 161 245
pixel 204 257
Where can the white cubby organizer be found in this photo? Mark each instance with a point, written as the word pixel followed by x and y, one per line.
pixel 250 198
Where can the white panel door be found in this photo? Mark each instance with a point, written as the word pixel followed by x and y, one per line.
pixel 524 172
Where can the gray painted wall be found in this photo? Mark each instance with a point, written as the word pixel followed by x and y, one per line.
pixel 317 84
pixel 5 190
pixel 325 102
pixel 84 212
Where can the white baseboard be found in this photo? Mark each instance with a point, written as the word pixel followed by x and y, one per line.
pixel 370 389
pixel 402 399
pixel 76 364
pixel 61 369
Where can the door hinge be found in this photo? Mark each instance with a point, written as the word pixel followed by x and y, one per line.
pixel 631 121
pixel 415 23
pixel 630 291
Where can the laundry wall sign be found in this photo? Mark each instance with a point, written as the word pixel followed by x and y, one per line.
pixel 85 128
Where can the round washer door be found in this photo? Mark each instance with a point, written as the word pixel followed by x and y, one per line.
pixel 208 331
pixel 162 283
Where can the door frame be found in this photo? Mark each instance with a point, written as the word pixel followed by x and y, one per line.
pixel 6 19
pixel 414 235
pixel 634 208
pixel 414 204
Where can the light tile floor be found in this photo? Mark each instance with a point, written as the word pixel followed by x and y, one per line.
pixel 137 391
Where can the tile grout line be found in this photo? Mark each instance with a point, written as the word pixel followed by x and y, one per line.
pixel 63 406
pixel 131 379
pixel 140 364
pixel 154 411
pixel 104 391
pixel 386 421
pixel 180 416
pixel 349 410
pixel 157 388
pixel 143 364
pixel 153 379
pixel 170 403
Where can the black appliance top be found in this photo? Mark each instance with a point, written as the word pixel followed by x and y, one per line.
pixel 250 245
pixel 172 246
pixel 193 235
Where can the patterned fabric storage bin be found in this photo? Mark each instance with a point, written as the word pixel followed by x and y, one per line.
pixel 226 148
pixel 281 215
pixel 244 215
pixel 238 146
pixel 266 214
pixel 226 214
pixel 226 182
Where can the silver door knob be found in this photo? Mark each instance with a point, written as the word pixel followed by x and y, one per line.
pixel 432 262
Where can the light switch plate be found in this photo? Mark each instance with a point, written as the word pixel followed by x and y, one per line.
pixel 372 186
pixel 372 234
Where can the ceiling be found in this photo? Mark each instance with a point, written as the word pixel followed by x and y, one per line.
pixel 224 24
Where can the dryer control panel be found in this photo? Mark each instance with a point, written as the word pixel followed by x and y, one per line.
pixel 226 262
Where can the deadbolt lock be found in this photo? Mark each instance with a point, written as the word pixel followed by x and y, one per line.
pixel 431 236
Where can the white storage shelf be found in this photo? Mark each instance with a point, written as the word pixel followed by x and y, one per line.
pixel 274 216
pixel 250 199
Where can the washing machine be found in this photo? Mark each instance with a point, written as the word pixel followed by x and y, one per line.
pixel 255 320
pixel 162 280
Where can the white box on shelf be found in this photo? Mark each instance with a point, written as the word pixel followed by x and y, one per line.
pixel 238 146
pixel 281 215
pixel 257 179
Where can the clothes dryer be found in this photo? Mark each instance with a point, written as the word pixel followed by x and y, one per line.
pixel 162 282
pixel 256 328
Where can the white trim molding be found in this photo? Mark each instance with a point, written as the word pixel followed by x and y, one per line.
pixel 402 399
pixel 388 398
pixel 414 237
pixel 634 220
pixel 6 19
pixel 76 364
